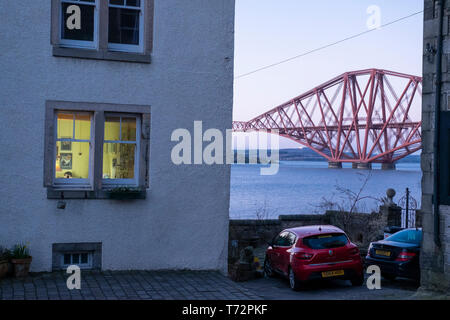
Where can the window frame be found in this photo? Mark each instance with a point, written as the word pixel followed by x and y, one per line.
pixel 119 47
pixel 83 266
pixel 102 50
pixel 76 183
pixel 80 43
pixel 97 188
pixel 125 182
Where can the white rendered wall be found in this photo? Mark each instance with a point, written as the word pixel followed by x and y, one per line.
pixel 183 223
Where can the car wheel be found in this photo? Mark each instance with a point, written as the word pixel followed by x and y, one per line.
pixel 293 282
pixel 268 271
pixel 358 281
pixel 389 276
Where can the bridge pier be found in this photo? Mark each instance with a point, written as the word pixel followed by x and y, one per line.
pixel 388 166
pixel 334 165
pixel 362 166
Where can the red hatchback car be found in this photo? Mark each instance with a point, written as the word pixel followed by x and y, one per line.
pixel 314 252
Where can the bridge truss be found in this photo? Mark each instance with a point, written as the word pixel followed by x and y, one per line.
pixel 360 117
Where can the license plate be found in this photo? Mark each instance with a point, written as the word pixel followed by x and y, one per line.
pixel 334 273
pixel 383 253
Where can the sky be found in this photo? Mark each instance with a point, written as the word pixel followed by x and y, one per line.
pixel 267 31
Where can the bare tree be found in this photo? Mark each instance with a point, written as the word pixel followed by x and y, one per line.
pixel 350 202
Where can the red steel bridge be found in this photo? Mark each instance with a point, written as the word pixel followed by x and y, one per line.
pixel 361 117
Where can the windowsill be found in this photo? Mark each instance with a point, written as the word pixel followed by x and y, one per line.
pixel 59 194
pixel 59 51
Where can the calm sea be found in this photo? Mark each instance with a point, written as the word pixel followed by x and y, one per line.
pixel 300 187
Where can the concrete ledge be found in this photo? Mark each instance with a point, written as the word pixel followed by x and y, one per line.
pixel 101 55
pixel 55 194
pixel 301 217
pixel 254 222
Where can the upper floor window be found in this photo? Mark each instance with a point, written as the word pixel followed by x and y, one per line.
pixel 79 23
pixel 103 29
pixel 126 25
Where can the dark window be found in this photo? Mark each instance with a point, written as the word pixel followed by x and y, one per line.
pixel 87 15
pixel 67 259
pixel 84 258
pixel 124 22
pixel 444 162
pixel 326 241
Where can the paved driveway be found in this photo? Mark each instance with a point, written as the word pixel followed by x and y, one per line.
pixel 278 289
pixel 168 285
pixel 130 285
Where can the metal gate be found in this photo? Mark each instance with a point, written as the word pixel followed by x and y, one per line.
pixel 409 207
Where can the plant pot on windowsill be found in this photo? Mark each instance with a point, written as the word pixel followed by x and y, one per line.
pixel 126 193
pixel 21 267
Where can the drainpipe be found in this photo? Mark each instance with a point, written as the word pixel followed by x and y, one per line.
pixel 437 111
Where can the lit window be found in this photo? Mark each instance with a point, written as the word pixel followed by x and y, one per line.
pixel 96 151
pixel 84 35
pixel 126 25
pixel 120 165
pixel 73 148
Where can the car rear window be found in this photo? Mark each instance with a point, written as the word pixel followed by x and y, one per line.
pixel 407 236
pixel 326 241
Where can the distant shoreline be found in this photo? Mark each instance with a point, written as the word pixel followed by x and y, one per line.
pixel 306 154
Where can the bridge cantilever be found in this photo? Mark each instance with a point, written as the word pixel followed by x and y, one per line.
pixel 357 117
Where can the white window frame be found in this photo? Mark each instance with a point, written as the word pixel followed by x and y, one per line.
pixel 108 183
pixel 80 43
pixel 81 183
pixel 87 265
pixel 129 47
pixel 95 189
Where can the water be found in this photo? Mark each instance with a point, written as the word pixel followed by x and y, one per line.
pixel 300 187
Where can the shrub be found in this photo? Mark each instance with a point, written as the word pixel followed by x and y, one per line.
pixel 5 254
pixel 20 251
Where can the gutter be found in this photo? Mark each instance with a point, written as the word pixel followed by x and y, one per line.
pixel 437 130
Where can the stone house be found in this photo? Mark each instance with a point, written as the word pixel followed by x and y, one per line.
pixel 90 93
pixel 435 255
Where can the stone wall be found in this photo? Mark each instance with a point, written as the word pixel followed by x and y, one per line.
pixel 435 261
pixel 362 228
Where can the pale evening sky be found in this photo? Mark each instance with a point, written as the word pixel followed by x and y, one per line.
pixel 268 31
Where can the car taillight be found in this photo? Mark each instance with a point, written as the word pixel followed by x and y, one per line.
pixel 303 255
pixel 405 256
pixel 368 250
